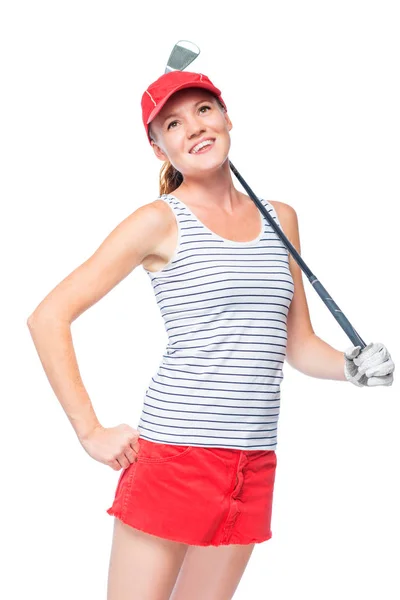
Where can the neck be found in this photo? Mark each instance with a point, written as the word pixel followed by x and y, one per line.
pixel 216 189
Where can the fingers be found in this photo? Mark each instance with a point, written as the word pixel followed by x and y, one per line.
pixel 129 455
pixel 135 447
pixel 384 368
pixel 352 352
pixel 379 358
pixel 387 380
pixel 372 352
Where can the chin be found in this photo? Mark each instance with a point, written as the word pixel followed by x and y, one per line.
pixel 213 162
pixel 209 167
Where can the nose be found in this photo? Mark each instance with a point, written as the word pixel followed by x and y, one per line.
pixel 194 127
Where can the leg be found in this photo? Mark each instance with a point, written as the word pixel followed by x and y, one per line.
pixel 142 565
pixel 211 572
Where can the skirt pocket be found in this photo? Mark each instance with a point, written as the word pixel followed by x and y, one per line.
pixel 154 452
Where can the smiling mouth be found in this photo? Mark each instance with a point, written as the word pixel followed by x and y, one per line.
pixel 204 149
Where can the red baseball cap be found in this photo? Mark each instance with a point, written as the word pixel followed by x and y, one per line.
pixel 159 91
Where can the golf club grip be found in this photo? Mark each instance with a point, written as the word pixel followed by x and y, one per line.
pixel 319 288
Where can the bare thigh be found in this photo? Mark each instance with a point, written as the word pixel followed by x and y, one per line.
pixel 142 566
pixel 211 572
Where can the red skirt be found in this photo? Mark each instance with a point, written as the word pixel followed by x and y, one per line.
pixel 198 496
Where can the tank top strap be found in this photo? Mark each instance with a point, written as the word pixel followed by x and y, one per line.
pixel 192 227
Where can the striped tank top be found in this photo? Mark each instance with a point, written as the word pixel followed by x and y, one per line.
pixel 224 306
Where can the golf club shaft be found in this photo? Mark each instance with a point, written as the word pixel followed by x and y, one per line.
pixel 319 288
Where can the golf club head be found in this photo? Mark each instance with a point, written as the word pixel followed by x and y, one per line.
pixel 183 53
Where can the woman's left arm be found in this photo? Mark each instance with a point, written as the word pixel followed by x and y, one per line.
pixel 305 351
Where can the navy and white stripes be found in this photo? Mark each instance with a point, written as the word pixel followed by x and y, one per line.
pixel 224 306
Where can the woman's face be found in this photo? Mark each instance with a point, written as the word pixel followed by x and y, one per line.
pixel 188 117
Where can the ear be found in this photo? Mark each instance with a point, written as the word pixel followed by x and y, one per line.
pixel 158 152
pixel 228 121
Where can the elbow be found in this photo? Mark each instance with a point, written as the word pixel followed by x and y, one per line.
pixel 35 315
pixel 291 360
pixel 42 317
pixel 33 323
pixel 30 320
pixel 33 318
pixel 297 349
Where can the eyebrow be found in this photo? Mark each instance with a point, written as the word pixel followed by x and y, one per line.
pixel 176 114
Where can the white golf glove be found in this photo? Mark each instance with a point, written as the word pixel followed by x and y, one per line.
pixel 372 366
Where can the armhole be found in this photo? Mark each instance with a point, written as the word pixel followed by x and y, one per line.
pixel 178 243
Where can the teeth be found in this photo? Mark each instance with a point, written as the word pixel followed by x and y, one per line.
pixel 201 145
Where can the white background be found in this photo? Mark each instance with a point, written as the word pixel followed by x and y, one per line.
pixel 312 89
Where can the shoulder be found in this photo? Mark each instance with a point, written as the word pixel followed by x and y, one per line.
pixel 145 227
pixel 155 208
pixel 155 214
pixel 284 210
pixel 287 216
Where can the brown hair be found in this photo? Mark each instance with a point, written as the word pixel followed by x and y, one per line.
pixel 170 178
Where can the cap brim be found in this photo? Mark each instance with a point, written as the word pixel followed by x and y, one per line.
pixel 204 86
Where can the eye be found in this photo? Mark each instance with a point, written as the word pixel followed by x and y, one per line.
pixel 201 108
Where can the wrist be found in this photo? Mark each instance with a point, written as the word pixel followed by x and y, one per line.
pixel 84 426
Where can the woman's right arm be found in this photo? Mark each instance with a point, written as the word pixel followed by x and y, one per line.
pixel 123 250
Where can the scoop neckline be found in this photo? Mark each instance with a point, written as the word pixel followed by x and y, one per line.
pixel 230 242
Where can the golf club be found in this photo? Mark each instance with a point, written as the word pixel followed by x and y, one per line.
pixel 183 53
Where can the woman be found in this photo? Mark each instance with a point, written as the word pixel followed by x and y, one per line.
pixel 195 494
